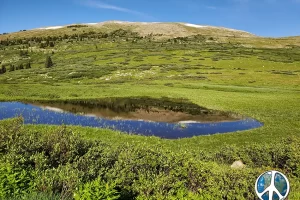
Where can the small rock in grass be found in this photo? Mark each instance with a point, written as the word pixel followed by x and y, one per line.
pixel 238 165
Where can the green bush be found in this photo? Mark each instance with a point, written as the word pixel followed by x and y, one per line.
pixel 58 161
pixel 95 190
pixel 62 180
pixel 36 196
pixel 285 156
pixel 14 181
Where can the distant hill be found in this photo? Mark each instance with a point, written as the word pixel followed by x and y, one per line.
pixel 160 30
pixel 157 29
pixel 171 29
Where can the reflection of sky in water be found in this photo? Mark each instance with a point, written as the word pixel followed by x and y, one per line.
pixel 36 115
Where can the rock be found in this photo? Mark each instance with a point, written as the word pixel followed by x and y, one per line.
pixel 238 165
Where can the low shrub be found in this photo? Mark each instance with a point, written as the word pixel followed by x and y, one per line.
pixel 95 190
pixel 60 163
pixel 14 181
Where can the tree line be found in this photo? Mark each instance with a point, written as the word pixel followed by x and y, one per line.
pixel 11 67
pixel 49 41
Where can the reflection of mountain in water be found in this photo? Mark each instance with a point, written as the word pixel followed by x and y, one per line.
pixel 140 108
pixel 49 115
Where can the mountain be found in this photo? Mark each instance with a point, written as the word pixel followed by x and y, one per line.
pixel 157 29
pixel 160 30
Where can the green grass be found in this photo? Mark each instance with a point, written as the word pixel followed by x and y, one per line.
pixel 229 78
pixel 239 81
pixel 244 83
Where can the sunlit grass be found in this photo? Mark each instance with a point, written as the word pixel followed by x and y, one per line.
pixel 263 89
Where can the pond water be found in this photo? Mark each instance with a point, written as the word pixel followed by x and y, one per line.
pixel 169 119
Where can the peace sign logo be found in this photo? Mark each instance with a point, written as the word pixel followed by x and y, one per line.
pixel 272 185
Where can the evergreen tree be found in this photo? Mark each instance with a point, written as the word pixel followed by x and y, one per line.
pixel 23 53
pixel 21 66
pixel 28 65
pixel 51 44
pixel 48 62
pixel 42 45
pixel 12 68
pixel 3 69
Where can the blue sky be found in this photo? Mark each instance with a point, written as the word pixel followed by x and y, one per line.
pixel 272 18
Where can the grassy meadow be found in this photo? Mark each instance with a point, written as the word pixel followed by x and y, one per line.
pixel 258 82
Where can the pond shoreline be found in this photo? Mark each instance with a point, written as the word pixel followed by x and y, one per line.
pixel 186 127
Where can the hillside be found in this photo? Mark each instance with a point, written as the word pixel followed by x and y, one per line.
pixel 164 30
pixel 158 31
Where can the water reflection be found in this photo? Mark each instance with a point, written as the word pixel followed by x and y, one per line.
pixel 139 108
pixel 34 114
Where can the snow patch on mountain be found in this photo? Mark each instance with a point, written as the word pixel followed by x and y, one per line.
pixel 195 25
pixel 91 23
pixel 51 27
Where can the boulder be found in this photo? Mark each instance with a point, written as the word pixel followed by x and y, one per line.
pixel 238 165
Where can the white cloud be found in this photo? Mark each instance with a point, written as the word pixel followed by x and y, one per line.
pixel 101 5
pixel 211 7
